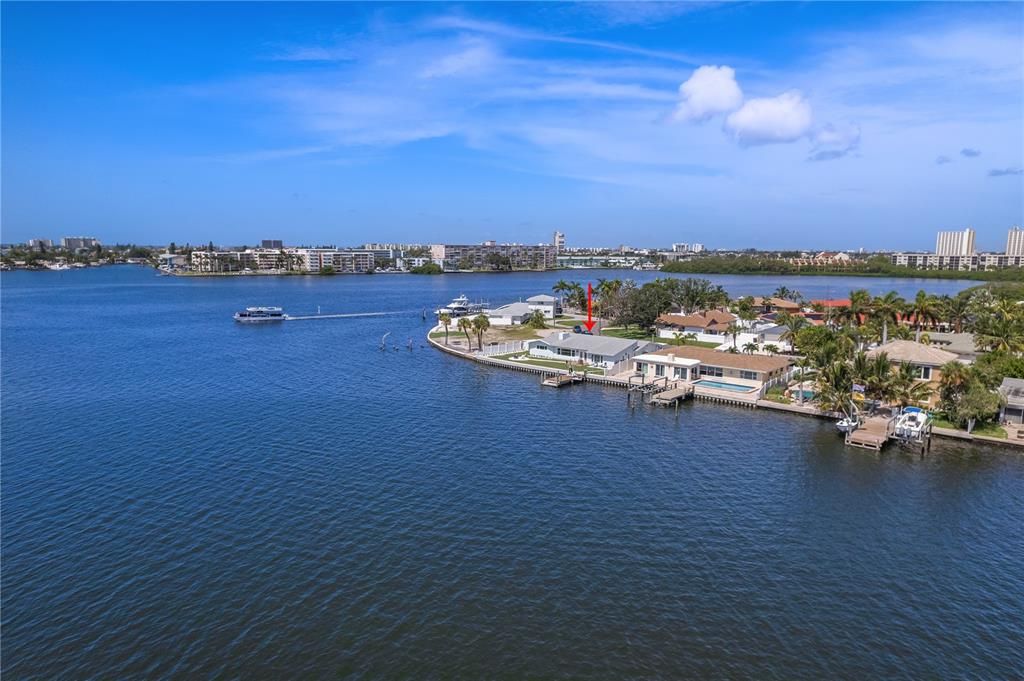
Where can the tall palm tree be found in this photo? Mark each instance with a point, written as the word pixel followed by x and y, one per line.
pixel 480 324
pixel 446 320
pixel 923 309
pixel 955 311
pixel 887 309
pixel 465 326
pixel 793 325
pixel 562 287
pixel 732 330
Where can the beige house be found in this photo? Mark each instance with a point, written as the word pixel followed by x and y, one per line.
pixel 926 360
pixel 734 370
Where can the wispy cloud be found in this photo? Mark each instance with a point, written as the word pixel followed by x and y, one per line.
pixel 1003 172
pixel 943 160
pixel 970 153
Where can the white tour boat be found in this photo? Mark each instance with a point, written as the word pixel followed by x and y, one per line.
pixel 260 314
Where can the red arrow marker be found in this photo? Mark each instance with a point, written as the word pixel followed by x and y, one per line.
pixel 590 309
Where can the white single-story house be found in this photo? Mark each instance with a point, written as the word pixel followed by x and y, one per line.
pixel 773 336
pixel 602 351
pixel 735 370
pixel 1012 391
pixel 545 303
pixel 509 315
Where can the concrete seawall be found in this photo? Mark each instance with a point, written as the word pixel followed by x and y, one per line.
pixel 796 409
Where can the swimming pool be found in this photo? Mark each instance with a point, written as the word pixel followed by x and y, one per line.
pixel 724 386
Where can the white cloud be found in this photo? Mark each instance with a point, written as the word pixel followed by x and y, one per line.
pixel 476 58
pixel 710 90
pixel 771 120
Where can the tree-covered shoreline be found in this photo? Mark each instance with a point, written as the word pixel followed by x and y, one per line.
pixel 876 266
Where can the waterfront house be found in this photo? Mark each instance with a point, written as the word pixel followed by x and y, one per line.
pixel 723 369
pixel 601 351
pixel 1012 391
pixel 548 305
pixel 925 359
pixel 509 315
pixel 961 344
pixel 707 326
pixel 769 305
pixel 773 336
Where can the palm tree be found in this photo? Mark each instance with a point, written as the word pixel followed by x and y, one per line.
pixel 732 330
pixel 480 324
pixel 924 310
pixel 887 309
pixel 771 349
pixel 786 294
pixel 464 326
pixel 446 320
pixel 803 364
pixel 955 311
pixel 750 348
pixel 877 377
pixel 907 389
pixel 833 387
pixel 793 325
pixel 1000 334
pixel 562 287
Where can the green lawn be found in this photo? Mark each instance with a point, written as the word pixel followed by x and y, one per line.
pixel 986 429
pixel 550 363
pixel 640 334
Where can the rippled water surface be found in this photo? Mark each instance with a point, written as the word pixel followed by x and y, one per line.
pixel 187 497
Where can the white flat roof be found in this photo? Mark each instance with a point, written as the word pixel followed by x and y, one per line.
pixel 667 359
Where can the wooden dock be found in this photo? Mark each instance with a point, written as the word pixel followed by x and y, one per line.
pixel 873 433
pixel 559 380
pixel 673 396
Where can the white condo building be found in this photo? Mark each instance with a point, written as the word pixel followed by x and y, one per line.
pixel 955 243
pixel 558 242
pixel 1015 241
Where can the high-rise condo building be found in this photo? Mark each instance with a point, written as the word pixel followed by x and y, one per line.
pixel 1015 241
pixel 559 242
pixel 955 243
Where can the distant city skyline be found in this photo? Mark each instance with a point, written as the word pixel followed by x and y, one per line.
pixel 774 126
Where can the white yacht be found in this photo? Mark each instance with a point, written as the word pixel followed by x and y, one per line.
pixel 460 307
pixel 911 422
pixel 260 314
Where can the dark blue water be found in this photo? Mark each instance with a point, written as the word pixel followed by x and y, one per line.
pixel 186 497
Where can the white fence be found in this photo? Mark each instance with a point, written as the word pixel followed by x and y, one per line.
pixel 503 348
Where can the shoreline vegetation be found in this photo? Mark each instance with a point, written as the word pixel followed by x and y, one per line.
pixel 834 345
pixel 875 266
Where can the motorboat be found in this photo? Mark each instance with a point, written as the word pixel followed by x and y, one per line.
pixel 911 422
pixel 460 307
pixel 848 424
pixel 260 314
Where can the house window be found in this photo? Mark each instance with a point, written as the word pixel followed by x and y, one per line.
pixel 710 371
pixel 680 373
pixel 924 373
pixel 641 368
pixel 748 375
pixel 565 352
pixel 659 369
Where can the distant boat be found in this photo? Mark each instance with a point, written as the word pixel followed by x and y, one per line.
pixel 260 314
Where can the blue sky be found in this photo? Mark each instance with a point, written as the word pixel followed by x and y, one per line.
pixel 824 125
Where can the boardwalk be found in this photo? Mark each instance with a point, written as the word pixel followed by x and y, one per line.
pixel 672 396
